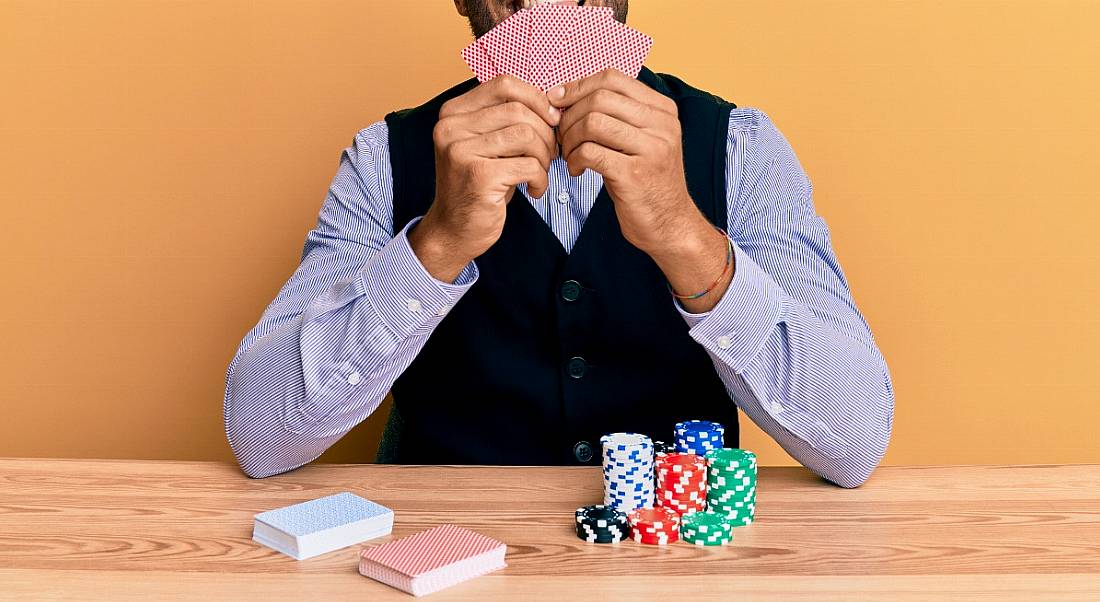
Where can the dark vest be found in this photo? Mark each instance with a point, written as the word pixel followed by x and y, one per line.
pixel 549 350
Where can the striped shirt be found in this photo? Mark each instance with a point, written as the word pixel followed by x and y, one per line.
pixel 786 338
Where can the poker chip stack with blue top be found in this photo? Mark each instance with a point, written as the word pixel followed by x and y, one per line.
pixel 731 484
pixel 627 471
pixel 699 436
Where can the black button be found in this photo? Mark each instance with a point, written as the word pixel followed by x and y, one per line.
pixel 571 290
pixel 577 367
pixel 582 451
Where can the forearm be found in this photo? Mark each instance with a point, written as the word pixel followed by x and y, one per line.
pixel 301 387
pixel 267 424
pixel 825 398
pixel 823 395
pixel 694 259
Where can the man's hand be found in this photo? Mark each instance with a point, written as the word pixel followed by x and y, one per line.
pixel 486 142
pixel 630 133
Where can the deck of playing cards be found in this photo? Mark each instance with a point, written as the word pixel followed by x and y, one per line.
pixel 432 560
pixel 322 525
pixel 550 44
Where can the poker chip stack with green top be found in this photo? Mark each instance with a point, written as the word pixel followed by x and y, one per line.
pixel 731 484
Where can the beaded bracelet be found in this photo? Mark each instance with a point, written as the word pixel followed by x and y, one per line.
pixel 729 262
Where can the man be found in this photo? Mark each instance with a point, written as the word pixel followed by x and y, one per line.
pixel 528 271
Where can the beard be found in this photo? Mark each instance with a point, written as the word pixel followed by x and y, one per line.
pixel 486 14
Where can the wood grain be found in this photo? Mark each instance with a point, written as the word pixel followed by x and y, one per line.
pixel 116 529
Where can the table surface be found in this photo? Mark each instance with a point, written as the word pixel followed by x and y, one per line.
pixel 114 529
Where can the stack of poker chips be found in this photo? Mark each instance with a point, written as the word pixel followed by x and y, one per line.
pixel 655 526
pixel 706 529
pixel 681 482
pixel 627 471
pixel 699 436
pixel 602 524
pixel 731 484
pixel 660 447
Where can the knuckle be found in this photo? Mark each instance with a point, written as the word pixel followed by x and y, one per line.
pixel 442 132
pixel 674 127
pixel 522 133
pixel 508 84
pixel 584 151
pixel 514 109
pixel 457 153
pixel 602 96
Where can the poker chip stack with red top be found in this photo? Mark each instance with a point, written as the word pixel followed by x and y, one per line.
pixel 681 482
pixel 655 526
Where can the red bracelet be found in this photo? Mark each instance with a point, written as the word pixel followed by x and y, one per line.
pixel 729 262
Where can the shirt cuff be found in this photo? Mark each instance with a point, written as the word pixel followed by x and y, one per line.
pixel 738 326
pixel 409 299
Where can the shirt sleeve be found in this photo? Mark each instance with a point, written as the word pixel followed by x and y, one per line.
pixel 786 338
pixel 347 323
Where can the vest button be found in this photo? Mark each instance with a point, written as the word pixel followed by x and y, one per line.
pixel 571 290
pixel 582 451
pixel 577 367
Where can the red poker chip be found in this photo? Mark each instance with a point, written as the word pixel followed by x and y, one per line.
pixel 687 474
pixel 656 541
pixel 681 461
pixel 655 530
pixel 685 485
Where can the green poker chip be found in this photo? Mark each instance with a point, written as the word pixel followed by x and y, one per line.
pixel 731 487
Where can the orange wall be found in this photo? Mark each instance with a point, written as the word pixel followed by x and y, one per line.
pixel 163 160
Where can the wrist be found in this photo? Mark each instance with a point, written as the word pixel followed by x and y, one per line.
pixel 691 238
pixel 699 266
pixel 436 251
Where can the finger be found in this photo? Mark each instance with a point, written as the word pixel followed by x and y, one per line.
pixel 497 117
pixel 619 106
pixel 499 90
pixel 570 93
pixel 606 131
pixel 589 155
pixel 516 170
pixel 518 140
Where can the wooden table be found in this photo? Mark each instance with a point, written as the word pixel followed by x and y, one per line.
pixel 105 529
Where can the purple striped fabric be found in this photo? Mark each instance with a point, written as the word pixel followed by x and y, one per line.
pixel 794 352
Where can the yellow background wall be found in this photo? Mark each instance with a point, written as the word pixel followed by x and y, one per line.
pixel 162 161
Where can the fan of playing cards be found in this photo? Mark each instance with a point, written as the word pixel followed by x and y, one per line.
pixel 553 43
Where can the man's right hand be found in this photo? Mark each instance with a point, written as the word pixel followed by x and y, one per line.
pixel 486 142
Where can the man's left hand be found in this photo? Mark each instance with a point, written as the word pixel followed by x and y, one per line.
pixel 630 133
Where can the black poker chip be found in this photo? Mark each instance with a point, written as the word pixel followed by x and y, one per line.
pixel 660 447
pixel 602 524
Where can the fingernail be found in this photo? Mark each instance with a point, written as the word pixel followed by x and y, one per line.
pixel 557 92
pixel 554 112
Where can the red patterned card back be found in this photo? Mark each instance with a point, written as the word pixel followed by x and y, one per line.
pixel 429 550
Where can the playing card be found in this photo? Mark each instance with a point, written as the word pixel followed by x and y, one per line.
pixel 599 42
pixel 317 526
pixel 552 29
pixel 633 47
pixel 432 560
pixel 551 26
pixel 479 62
pixel 550 44
pixel 508 45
